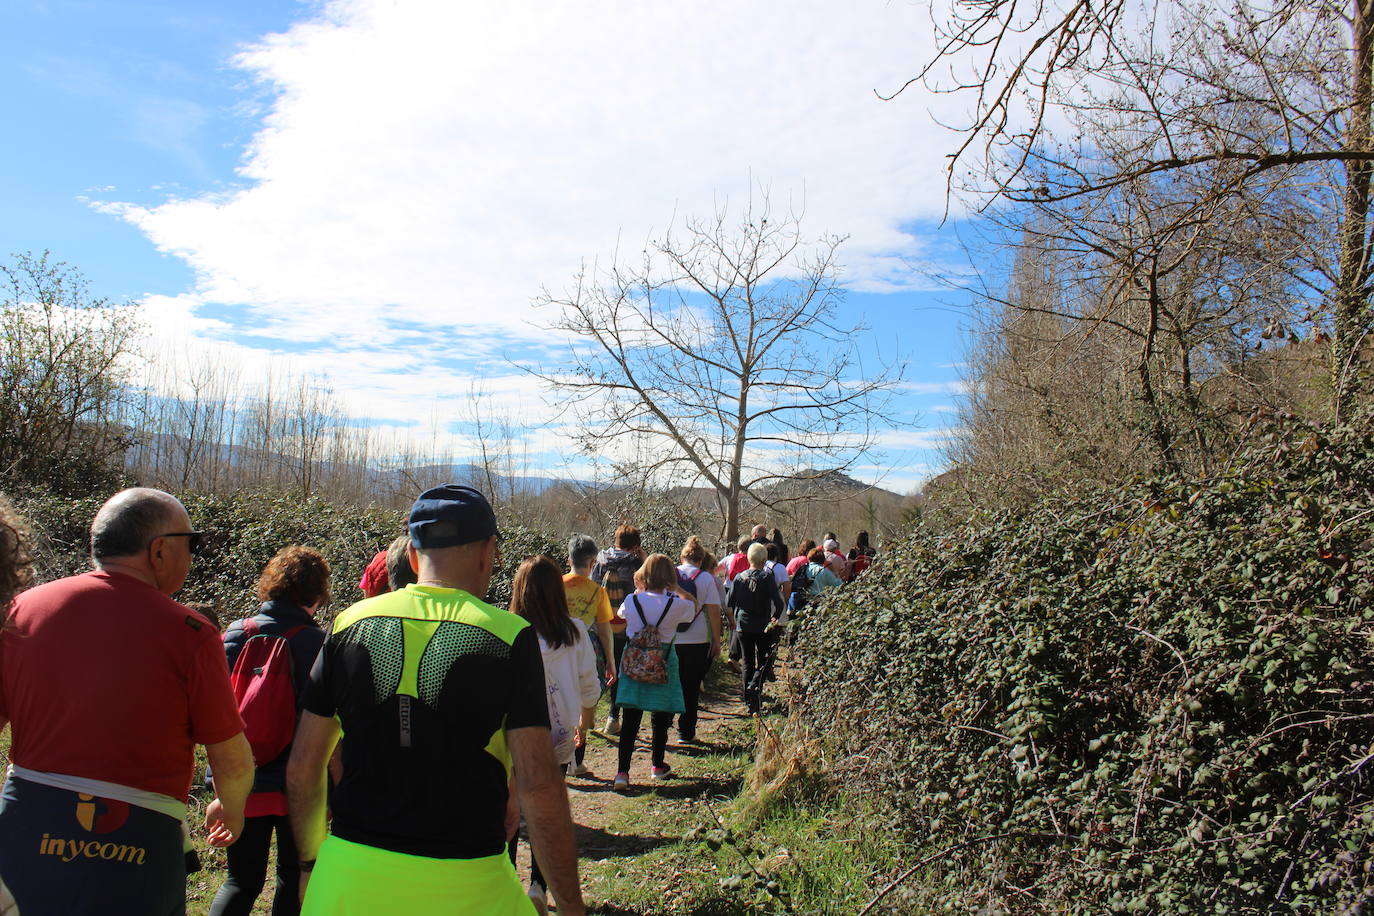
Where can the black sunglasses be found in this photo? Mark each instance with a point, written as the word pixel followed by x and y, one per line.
pixel 197 539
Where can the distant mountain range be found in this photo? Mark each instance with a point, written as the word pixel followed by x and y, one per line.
pixel 471 475
pixel 164 454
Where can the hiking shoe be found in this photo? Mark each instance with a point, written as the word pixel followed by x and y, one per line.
pixel 687 738
pixel 662 772
pixel 582 770
pixel 622 782
pixel 539 898
pixel 612 725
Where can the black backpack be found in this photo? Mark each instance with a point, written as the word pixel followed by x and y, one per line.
pixel 688 583
pixel 801 587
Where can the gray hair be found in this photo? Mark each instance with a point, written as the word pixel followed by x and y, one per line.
pixel 129 521
pixel 581 550
pixel 398 571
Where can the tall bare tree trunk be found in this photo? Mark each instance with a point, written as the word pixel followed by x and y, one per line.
pixel 1159 428
pixel 1352 295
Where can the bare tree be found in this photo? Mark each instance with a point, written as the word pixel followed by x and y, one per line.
pixel 304 431
pixel 187 408
pixel 1073 101
pixel 1123 334
pixel 720 357
pixel 64 364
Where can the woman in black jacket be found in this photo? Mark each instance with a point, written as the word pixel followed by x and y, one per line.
pixel 292 587
pixel 758 604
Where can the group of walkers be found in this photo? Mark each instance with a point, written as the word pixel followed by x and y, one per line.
pixel 462 719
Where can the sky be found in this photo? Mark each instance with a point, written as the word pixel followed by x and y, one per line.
pixel 377 191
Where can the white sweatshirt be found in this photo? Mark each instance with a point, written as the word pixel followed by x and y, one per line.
pixel 570 679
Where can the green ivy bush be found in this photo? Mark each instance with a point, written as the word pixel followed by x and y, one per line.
pixel 1155 700
pixel 245 529
pixel 518 541
pixel 248 527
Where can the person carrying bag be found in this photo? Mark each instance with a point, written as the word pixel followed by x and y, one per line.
pixel 650 681
pixel 758 606
pixel 651 666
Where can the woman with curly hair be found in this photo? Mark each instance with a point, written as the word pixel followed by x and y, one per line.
pixel 16 574
pixel 16 569
pixel 293 586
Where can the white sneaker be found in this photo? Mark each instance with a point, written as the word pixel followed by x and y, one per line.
pixel 538 898
pixel 612 725
pixel 582 770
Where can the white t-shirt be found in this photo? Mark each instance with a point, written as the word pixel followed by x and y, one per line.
pixel 652 604
pixel 779 572
pixel 708 592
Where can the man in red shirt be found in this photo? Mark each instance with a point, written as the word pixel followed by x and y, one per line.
pixel 108 685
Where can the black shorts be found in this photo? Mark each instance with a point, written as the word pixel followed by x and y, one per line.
pixel 69 854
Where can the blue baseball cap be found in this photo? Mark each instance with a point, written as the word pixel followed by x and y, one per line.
pixel 450 516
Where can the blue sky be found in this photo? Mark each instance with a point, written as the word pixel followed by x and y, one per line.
pixel 332 187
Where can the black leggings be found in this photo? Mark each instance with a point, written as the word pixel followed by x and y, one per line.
pixel 630 720
pixel 755 648
pixel 618 643
pixel 248 869
pixel 693 661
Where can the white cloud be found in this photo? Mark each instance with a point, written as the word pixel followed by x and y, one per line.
pixel 433 165
pixel 934 387
pixel 906 479
pixel 445 160
pixel 923 440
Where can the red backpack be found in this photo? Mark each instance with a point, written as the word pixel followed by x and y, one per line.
pixel 265 688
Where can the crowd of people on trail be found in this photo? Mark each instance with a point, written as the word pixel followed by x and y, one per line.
pixel 391 754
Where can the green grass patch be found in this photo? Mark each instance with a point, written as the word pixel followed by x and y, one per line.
pixel 818 849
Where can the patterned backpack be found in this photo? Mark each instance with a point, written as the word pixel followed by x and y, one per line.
pixel 646 659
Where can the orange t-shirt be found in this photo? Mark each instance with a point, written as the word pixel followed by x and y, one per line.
pixel 587 601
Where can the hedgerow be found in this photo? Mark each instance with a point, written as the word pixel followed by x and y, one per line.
pixel 247 528
pixel 1157 699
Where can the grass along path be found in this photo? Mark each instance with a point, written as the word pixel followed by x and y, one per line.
pixel 727 837
pixel 621 837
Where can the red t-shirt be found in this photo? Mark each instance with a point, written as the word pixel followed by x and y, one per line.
pixel 794 564
pixel 736 564
pixel 103 676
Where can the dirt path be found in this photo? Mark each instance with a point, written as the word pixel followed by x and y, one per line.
pixel 606 845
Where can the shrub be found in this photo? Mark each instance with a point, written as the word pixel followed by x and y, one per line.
pixel 520 541
pixel 1156 699
pixel 248 527
pixel 664 520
